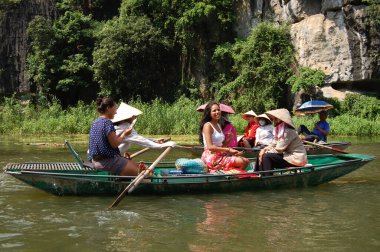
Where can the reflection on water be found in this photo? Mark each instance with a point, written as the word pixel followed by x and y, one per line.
pixel 338 216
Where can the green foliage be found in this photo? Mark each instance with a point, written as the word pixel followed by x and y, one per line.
pixel 129 59
pixel 162 49
pixel 193 28
pixel 361 106
pixel 306 79
pixel 260 68
pixel 59 62
pixel 159 118
pixel 41 60
pixel 99 9
pixel 351 125
pixel 26 118
pixel 374 10
pixel 6 3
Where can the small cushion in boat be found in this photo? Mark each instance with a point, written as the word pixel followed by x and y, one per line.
pixel 189 166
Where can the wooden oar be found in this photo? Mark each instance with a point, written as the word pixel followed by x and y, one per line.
pixel 139 178
pixel 327 147
pixel 138 152
pixel 146 149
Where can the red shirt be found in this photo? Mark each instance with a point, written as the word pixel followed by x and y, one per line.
pixel 250 131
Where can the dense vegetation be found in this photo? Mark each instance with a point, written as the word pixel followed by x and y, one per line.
pixel 146 50
pixel 152 54
pixel 357 115
pixel 161 49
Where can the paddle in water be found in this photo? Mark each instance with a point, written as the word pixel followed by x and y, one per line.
pixel 139 178
pixel 324 146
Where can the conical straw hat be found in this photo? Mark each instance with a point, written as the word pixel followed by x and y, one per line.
pixel 262 116
pixel 281 114
pixel 249 113
pixel 124 112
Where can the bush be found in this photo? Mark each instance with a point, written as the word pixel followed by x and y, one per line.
pixel 361 106
pixel 159 118
pixel 306 79
pixel 260 68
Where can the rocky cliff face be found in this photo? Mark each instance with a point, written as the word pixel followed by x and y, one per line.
pixel 332 35
pixel 14 19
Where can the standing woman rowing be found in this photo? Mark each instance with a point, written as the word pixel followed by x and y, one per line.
pixel 216 155
pixel 103 142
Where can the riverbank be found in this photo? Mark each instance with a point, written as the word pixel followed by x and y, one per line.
pixel 159 118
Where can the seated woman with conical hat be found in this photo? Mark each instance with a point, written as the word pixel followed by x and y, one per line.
pixel 248 140
pixel 264 133
pixel 286 148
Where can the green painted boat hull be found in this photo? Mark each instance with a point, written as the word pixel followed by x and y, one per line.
pixel 77 181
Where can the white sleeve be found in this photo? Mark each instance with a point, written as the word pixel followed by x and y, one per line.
pixel 135 138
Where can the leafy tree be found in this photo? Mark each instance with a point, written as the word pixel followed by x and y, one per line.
pixel 306 79
pixel 99 9
pixel 41 61
pixel 74 35
pixel 129 59
pixel 193 28
pixel 60 59
pixel 260 67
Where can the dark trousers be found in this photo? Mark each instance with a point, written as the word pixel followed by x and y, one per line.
pixel 302 129
pixel 271 161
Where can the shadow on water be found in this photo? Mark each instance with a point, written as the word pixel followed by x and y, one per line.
pixel 339 216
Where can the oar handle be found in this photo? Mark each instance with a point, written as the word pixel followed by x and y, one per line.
pixel 327 147
pixel 146 149
pixel 139 178
pixel 139 152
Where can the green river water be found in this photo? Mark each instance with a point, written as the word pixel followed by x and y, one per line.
pixel 342 215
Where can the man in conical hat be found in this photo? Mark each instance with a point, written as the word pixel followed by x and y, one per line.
pixel 125 118
pixel 286 148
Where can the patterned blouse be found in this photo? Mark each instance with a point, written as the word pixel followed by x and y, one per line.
pixel 98 142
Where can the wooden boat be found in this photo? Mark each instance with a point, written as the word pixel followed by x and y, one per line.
pixel 76 179
pixel 197 150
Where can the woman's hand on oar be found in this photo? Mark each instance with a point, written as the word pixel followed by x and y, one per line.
pixel 324 146
pixel 139 178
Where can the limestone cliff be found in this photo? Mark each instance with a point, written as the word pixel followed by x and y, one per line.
pixel 14 19
pixel 332 35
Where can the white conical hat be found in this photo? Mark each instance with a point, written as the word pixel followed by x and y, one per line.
pixel 283 115
pixel 124 112
pixel 249 113
pixel 264 116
